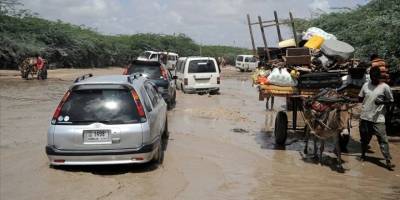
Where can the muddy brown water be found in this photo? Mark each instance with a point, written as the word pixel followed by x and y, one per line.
pixel 206 158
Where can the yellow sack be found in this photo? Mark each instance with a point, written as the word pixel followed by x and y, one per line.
pixel 315 42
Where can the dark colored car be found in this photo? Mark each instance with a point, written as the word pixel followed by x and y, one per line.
pixel 159 75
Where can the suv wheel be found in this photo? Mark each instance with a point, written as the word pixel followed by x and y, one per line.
pixel 174 99
pixel 159 156
pixel 166 132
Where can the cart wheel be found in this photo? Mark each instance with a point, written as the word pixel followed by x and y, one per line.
pixel 25 74
pixel 281 125
pixel 39 74
pixel 44 74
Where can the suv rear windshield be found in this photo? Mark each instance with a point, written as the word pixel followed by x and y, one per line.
pixel 152 72
pixel 202 66
pixel 109 106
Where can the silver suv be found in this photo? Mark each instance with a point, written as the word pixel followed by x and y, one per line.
pixel 108 120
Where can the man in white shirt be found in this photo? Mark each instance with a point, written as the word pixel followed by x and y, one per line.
pixel 374 95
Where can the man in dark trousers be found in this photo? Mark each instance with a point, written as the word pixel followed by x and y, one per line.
pixel 374 95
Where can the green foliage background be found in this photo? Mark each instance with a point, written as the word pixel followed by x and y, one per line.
pixel 373 28
pixel 67 45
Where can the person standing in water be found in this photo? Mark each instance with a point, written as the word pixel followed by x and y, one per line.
pixel 375 95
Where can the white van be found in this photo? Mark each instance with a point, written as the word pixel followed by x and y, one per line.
pixel 198 74
pixel 149 56
pixel 168 58
pixel 246 62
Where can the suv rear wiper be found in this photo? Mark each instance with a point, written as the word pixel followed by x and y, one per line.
pixel 90 121
pixel 101 121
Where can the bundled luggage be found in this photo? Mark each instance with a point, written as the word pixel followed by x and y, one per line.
pixel 320 80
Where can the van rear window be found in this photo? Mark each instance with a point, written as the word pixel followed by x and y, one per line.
pixel 146 55
pixel 109 106
pixel 202 66
pixel 250 59
pixel 239 58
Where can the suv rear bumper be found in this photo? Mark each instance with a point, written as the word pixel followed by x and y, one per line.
pixel 101 157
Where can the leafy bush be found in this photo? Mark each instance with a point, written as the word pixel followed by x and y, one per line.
pixel 66 45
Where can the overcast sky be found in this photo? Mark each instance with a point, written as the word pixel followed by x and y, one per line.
pixel 217 22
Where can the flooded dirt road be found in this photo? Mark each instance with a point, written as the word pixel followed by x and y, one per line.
pixel 218 149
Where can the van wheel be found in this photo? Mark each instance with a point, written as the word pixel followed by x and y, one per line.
pixel 183 89
pixel 214 92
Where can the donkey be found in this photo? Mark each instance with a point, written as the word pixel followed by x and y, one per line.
pixel 27 67
pixel 326 116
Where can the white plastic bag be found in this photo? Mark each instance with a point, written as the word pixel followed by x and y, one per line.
pixel 281 77
pixel 317 31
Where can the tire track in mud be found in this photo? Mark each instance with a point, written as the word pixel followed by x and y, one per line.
pixel 120 187
pixel 27 99
pixel 235 179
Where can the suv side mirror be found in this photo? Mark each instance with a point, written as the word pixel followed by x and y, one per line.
pixel 175 77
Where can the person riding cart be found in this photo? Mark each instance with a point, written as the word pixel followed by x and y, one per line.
pixel 39 62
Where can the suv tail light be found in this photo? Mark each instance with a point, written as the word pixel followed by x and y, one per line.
pixel 139 105
pixel 218 80
pixel 185 81
pixel 164 73
pixel 59 107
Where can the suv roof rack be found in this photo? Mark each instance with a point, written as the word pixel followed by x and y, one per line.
pixel 134 76
pixel 83 77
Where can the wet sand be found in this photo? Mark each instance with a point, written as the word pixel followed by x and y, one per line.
pixel 218 149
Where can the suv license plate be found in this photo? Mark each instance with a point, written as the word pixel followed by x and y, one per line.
pixel 97 137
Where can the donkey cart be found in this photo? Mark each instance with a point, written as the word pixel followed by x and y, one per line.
pixel 320 114
pixel 29 67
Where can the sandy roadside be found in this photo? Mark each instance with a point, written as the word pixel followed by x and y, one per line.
pixel 66 73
